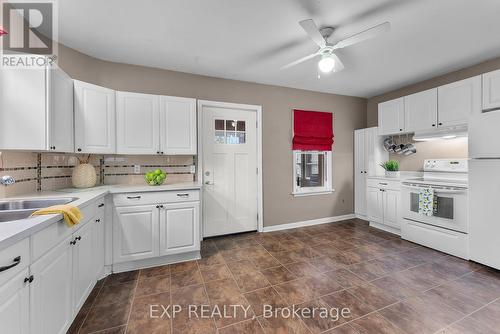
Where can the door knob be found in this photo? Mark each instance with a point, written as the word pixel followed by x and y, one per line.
pixel 208 183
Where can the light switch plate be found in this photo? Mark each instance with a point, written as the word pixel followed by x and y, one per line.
pixel 137 169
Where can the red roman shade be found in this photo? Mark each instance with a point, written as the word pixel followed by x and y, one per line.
pixel 312 130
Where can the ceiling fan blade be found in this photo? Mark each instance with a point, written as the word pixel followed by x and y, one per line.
pixel 339 66
pixel 364 35
pixel 312 30
pixel 298 61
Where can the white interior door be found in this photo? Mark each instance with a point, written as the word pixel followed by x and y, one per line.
pixel 229 171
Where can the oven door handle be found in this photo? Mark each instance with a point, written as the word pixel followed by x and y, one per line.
pixel 437 189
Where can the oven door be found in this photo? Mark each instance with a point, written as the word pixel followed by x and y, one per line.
pixel 452 207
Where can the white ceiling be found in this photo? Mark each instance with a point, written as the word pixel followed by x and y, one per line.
pixel 251 39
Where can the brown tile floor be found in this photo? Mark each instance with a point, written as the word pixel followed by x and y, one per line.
pixel 389 285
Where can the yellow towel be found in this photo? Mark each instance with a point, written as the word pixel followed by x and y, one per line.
pixel 72 215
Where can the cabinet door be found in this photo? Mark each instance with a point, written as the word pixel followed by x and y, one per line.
pixel 458 101
pixel 98 246
pixel 83 264
pixel 94 118
pixel 359 172
pixel 179 228
pixel 51 307
pixel 135 234
pixel 421 111
pixel 374 204
pixel 15 304
pixel 178 125
pixel 138 123
pixel 60 111
pixel 391 117
pixel 391 200
pixel 491 90
pixel 22 109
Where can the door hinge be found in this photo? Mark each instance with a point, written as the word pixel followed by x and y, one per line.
pixel 257 170
pixel 257 217
pixel 256 124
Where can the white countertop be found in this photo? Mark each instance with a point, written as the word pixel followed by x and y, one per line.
pixel 12 232
pixel 403 176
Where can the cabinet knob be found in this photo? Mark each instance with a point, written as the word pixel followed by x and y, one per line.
pixel 400 129
pixel 72 242
pixel 79 149
pixel 157 206
pixel 161 153
pixel 157 152
pixel 100 205
pixel 78 238
pixel 440 124
pixel 433 124
pixel 29 279
pixel 97 220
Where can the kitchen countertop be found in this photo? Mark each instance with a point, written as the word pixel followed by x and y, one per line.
pixel 403 176
pixel 12 232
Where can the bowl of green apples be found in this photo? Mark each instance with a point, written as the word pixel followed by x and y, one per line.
pixel 155 178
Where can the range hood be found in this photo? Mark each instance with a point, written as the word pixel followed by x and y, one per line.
pixel 447 133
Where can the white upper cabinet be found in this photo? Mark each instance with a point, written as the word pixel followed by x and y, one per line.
pixel 177 125
pixel 459 100
pixel 38 102
pixel 391 117
pixel 491 90
pixel 60 111
pixel 138 126
pixel 94 118
pixel 421 111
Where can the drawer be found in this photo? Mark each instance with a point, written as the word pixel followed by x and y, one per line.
pixel 156 197
pixel 49 237
pixel 383 184
pixel 14 259
pixel 92 209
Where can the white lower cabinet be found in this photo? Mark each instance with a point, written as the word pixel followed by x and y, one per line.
pixel 135 233
pixel 147 226
pixel 98 245
pixel 15 305
pixel 383 202
pixel 51 291
pixel 179 228
pixel 84 276
pixel 374 205
pixel 392 201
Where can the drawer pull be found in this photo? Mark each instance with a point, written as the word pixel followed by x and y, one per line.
pixel 29 279
pixel 98 220
pixel 100 205
pixel 182 195
pixel 16 261
pixel 134 197
pixel 382 183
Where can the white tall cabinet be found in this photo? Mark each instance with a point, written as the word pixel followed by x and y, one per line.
pixel 95 130
pixel 38 102
pixel 368 154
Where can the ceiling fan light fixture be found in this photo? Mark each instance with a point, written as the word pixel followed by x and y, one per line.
pixel 326 64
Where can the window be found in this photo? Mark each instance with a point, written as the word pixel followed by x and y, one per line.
pixel 230 132
pixel 312 172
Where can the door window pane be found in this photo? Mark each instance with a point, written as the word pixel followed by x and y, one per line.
pixel 240 126
pixel 219 124
pixel 220 137
pixel 230 125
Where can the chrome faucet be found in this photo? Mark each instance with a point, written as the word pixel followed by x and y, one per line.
pixel 7 180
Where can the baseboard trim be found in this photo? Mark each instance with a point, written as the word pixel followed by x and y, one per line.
pixel 308 223
pixel 155 261
pixel 385 228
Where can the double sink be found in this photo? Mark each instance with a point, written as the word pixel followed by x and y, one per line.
pixel 16 209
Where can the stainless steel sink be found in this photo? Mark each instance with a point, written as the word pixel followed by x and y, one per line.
pixel 22 208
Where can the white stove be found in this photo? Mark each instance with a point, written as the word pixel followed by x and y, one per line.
pixel 446 229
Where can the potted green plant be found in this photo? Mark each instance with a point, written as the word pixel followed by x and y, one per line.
pixel 391 168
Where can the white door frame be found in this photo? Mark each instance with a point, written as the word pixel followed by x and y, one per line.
pixel 248 107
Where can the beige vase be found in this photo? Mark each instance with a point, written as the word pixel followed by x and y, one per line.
pixel 84 176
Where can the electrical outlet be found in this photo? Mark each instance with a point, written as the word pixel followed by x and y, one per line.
pixel 192 169
pixel 137 169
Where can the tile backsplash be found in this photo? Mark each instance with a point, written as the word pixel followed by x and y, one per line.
pixel 51 171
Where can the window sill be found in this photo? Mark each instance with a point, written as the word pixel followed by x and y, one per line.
pixel 315 193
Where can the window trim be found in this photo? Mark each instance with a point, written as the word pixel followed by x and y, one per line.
pixel 308 191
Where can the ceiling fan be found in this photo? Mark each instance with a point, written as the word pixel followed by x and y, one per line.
pixel 329 61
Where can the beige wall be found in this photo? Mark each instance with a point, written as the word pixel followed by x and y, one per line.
pixel 436 149
pixel 277 102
